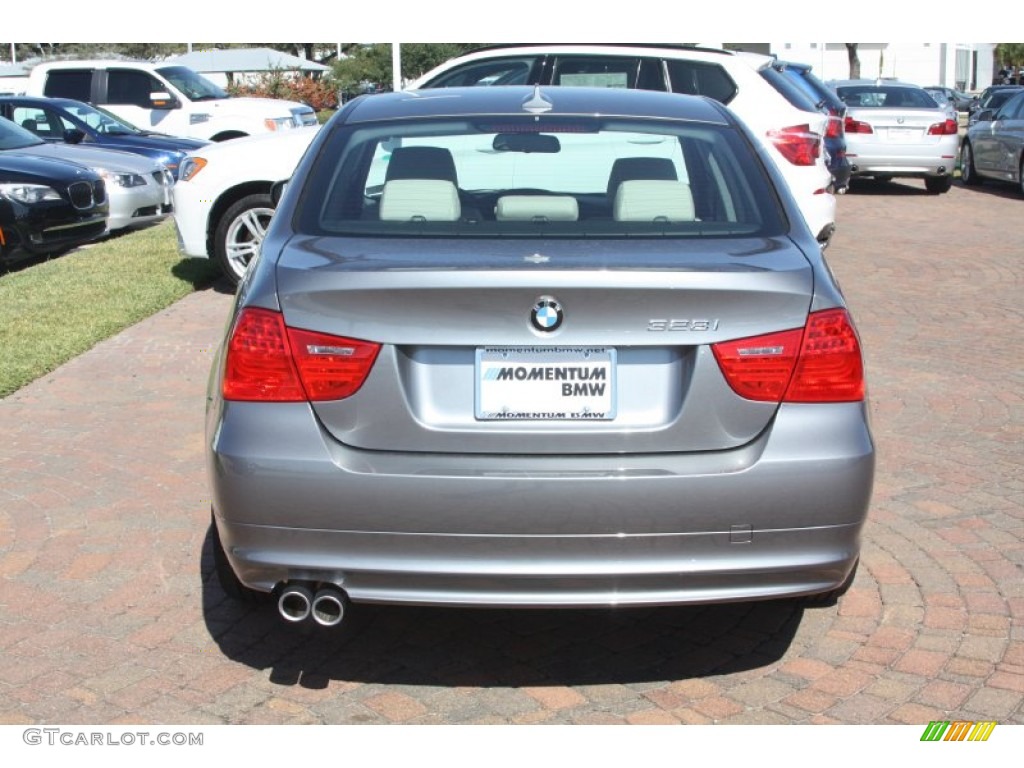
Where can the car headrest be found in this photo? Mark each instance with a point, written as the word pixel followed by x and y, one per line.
pixel 421 163
pixel 536 208
pixel 630 168
pixel 642 200
pixel 420 200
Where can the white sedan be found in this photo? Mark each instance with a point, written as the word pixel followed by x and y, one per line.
pixel 896 129
pixel 222 202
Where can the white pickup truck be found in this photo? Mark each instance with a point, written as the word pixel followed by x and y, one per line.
pixel 167 98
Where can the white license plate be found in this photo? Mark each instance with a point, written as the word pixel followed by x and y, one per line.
pixel 904 134
pixel 545 384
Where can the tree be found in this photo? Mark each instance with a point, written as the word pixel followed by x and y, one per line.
pixel 370 64
pixel 851 54
pixel 1010 55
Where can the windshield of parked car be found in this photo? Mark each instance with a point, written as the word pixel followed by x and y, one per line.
pixel 885 97
pixel 102 121
pixel 192 84
pixel 13 136
pixel 997 98
pixel 539 176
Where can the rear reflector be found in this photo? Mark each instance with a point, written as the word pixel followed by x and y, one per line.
pixel 798 144
pixel 820 363
pixel 269 362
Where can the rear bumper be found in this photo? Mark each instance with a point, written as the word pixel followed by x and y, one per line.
pixel 779 517
pixel 934 160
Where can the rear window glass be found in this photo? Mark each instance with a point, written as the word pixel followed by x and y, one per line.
pixel 793 93
pixel 69 84
pixel 814 88
pixel 543 176
pixel 608 72
pixel 700 79
pixel 510 71
pixel 885 97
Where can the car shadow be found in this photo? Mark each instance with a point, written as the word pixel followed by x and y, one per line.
pixel 899 187
pixel 498 647
pixel 202 274
pixel 993 188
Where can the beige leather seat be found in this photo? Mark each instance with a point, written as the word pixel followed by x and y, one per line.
pixel 420 200
pixel 647 200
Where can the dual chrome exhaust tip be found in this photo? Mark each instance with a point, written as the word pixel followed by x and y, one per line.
pixel 298 602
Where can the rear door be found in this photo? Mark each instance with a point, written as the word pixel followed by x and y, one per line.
pixel 1009 133
pixel 78 84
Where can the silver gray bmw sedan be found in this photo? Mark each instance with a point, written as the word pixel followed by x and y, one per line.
pixel 537 347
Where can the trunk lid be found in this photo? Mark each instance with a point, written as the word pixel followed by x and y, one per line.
pixel 455 321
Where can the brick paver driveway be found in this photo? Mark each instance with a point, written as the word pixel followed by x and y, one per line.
pixel 109 613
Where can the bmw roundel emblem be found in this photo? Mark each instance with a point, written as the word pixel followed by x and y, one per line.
pixel 546 315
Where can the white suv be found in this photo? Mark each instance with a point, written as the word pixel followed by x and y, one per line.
pixel 788 123
pixel 166 97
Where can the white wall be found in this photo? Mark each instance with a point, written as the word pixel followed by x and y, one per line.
pixel 921 63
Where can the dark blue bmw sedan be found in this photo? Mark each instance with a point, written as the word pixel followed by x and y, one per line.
pixel 75 122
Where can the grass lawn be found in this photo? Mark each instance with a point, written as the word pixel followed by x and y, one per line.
pixel 54 310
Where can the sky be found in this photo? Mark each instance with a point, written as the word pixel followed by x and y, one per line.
pixel 520 21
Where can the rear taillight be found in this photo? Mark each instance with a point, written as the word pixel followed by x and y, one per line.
pixel 269 362
pixel 331 367
pixel 798 144
pixel 835 126
pixel 819 363
pixel 856 126
pixel 945 128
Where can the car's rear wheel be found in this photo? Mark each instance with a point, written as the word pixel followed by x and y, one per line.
pixel 938 185
pixel 968 173
pixel 226 577
pixel 240 232
pixel 1020 176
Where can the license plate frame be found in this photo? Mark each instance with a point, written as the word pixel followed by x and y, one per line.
pixel 545 384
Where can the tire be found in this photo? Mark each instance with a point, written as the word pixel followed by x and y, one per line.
pixel 1020 176
pixel 226 577
pixel 239 233
pixel 938 185
pixel 968 173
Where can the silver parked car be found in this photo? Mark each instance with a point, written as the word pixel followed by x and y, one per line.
pixel 994 146
pixel 518 346
pixel 895 129
pixel 138 188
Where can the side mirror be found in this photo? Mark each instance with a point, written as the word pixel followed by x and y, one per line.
pixel 984 116
pixel 277 191
pixel 73 136
pixel 163 100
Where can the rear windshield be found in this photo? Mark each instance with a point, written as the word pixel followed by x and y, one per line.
pixel 885 97
pixel 539 176
pixel 794 93
pixel 815 89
